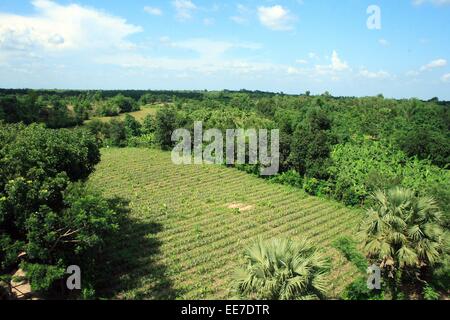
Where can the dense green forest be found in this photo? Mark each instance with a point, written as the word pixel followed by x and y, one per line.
pixel 364 152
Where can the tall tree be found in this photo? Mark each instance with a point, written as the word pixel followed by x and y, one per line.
pixel 311 145
pixel 132 126
pixel 403 233
pixel 166 123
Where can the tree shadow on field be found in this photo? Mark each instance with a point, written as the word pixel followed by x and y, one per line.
pixel 128 267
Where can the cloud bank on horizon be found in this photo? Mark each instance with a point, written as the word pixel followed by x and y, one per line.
pixel 290 46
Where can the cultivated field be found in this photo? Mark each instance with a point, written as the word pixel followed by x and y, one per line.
pixel 190 225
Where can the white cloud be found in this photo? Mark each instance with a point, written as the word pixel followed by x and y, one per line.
pixel 336 63
pixel 276 18
pixel 374 75
pixel 293 71
pixel 210 59
pixel 446 77
pixel 62 27
pixel 96 38
pixel 335 67
pixel 202 65
pixel 208 49
pixel 153 11
pixel 184 9
pixel 439 63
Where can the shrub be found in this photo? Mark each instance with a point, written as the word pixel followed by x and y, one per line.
pixel 311 186
pixel 440 277
pixel 430 294
pixel 107 109
pixel 358 290
pixel 249 168
pixel 132 127
pixel 166 122
pixel 116 135
pixel 317 187
pixel 149 125
pixel 124 104
pixel 144 141
pixel 291 178
pixel 45 209
pixel 42 277
pixel 362 167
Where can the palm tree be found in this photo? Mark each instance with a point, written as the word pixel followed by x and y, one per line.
pixel 403 232
pixel 281 269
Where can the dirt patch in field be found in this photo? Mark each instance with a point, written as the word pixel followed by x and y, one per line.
pixel 242 207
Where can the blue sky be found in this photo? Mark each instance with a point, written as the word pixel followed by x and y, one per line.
pixel 290 46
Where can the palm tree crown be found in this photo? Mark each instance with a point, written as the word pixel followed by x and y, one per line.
pixel 403 230
pixel 281 269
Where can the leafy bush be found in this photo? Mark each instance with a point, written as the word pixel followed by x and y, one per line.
pixel 107 109
pixel 430 294
pixel 311 186
pixel 360 168
pixel 316 187
pixel 440 277
pixel 149 125
pixel 249 168
pixel 123 104
pixel 144 141
pixel 45 209
pixel 166 123
pixel 358 290
pixel 132 127
pixel 42 277
pixel 291 178
pixel 116 134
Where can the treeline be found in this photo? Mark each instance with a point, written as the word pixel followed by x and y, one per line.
pixel 135 94
pixel 339 148
pixel 59 111
pixel 386 141
pixel 332 147
pixel 126 133
pixel 69 109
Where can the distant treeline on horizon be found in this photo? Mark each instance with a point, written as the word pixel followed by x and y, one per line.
pixel 184 94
